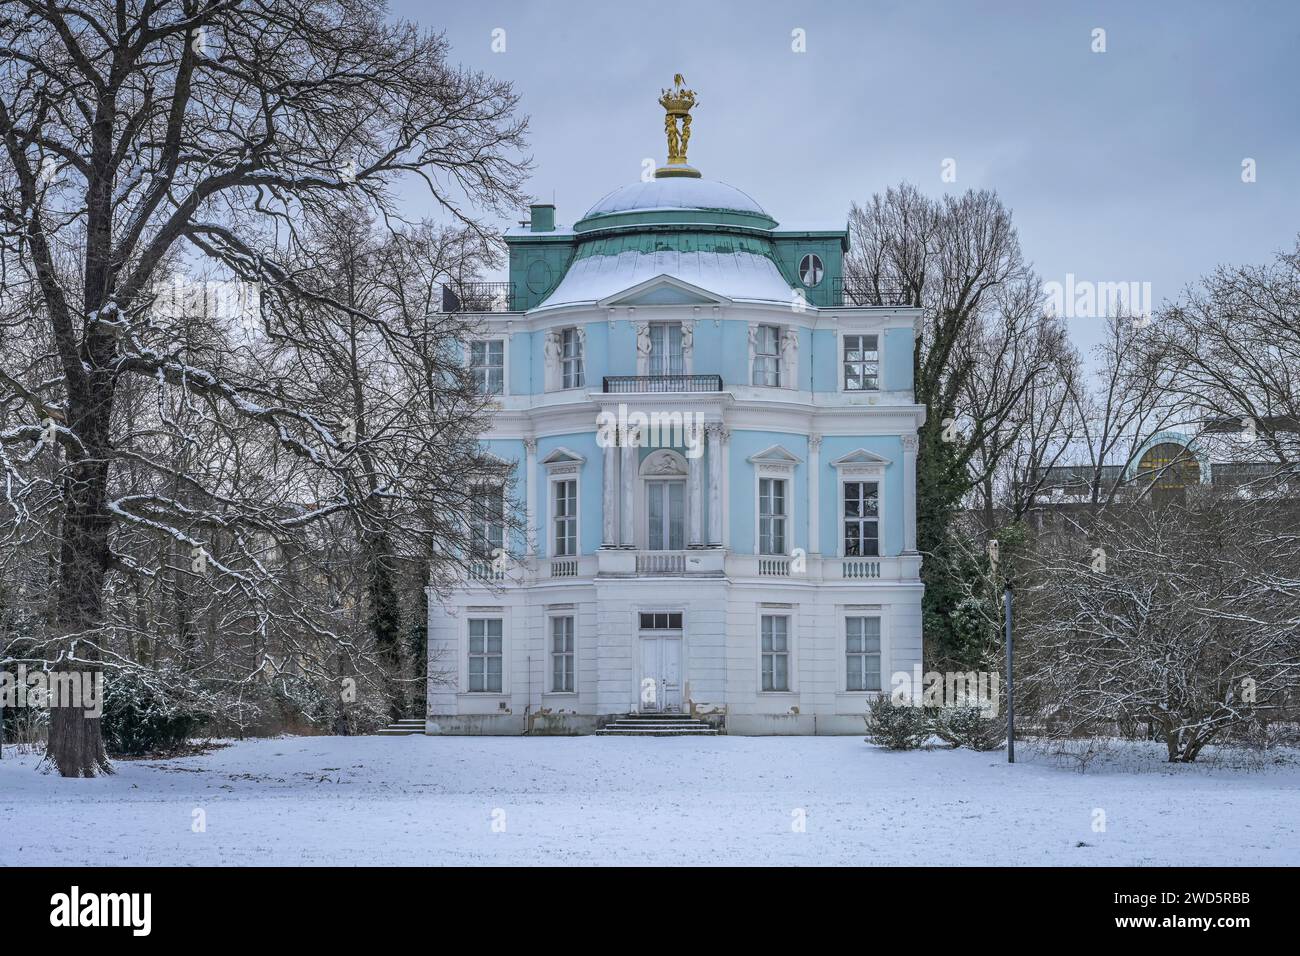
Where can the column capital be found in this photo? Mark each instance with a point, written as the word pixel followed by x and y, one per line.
pixel 530 446
pixel 815 442
pixel 911 443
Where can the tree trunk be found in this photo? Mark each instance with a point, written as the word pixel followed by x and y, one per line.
pixel 76 744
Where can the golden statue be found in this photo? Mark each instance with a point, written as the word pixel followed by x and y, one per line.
pixel 677 104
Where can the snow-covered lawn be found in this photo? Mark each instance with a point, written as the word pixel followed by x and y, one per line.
pixel 739 800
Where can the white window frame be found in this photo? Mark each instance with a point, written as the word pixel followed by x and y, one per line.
pixel 783 518
pixel 773 357
pixel 821 264
pixel 475 519
pixel 842 613
pixel 840 343
pixel 879 654
pixel 554 483
pixel 650 359
pixel 786 611
pixel 776 462
pixel 505 360
pixel 879 482
pixel 470 619
pixel 578 360
pixel 667 522
pixel 571 616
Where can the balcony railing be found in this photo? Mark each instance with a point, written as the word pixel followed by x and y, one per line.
pixel 480 297
pixel 869 293
pixel 662 383
pixel 661 562
pixel 860 568
pixel 777 567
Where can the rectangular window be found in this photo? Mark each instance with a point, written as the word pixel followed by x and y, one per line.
pixel 771 516
pixel 571 373
pixel 767 356
pixel 487 526
pixel 487 364
pixel 565 517
pixel 485 655
pixel 562 655
pixel 861 363
pixel 862 653
pixel 776 651
pixel 666 349
pixel 861 519
pixel 666 515
pixel 661 620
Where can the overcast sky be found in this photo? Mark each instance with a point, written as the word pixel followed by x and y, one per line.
pixel 1122 166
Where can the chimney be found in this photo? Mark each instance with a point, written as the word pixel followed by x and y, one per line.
pixel 542 217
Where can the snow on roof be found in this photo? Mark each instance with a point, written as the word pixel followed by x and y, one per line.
pixel 676 192
pixel 736 275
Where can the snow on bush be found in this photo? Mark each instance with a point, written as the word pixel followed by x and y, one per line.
pixel 896 726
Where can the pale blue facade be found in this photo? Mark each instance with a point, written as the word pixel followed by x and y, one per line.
pixel 780 560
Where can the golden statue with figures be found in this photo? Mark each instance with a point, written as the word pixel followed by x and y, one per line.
pixel 677 104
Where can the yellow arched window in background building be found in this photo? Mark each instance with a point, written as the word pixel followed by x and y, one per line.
pixel 1172 468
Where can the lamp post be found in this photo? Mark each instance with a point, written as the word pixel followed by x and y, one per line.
pixel 1011 692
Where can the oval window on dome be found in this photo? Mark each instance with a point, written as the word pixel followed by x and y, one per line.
pixel 810 269
pixel 538 276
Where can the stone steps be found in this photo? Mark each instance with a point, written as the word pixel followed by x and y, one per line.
pixel 405 727
pixel 657 725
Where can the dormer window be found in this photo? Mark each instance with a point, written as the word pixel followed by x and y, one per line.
pixel 571 371
pixel 487 365
pixel 861 363
pixel 811 270
pixel 767 355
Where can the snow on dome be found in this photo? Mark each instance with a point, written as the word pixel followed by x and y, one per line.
pixel 675 193
pixel 742 276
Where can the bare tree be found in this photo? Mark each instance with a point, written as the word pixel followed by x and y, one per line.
pixel 150 135
pixel 1190 620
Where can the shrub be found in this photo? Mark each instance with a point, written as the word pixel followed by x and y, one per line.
pixel 969 726
pixel 896 727
pixel 141 718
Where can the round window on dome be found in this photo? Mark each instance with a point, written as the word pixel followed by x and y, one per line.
pixel 810 269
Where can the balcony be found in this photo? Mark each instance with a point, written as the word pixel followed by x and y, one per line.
pixel 620 384
pixel 478 297
pixel 869 294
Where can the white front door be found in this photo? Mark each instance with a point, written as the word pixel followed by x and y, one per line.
pixel 660 685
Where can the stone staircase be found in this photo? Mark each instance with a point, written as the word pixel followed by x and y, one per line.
pixel 657 725
pixel 404 727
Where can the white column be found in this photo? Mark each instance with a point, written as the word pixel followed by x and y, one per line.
pixel 530 496
pixel 609 498
pixel 715 434
pixel 627 527
pixel 814 494
pixel 695 500
pixel 909 493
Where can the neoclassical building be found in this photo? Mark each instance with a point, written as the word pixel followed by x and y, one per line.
pixel 713 438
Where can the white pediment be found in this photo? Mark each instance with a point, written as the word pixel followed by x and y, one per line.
pixel 860 458
pixel 563 456
pixel 776 455
pixel 662 290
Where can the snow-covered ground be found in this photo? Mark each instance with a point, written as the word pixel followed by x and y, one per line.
pixel 738 800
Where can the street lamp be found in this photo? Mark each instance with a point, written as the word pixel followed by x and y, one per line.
pixel 1011 693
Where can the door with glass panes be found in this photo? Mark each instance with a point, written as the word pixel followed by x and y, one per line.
pixel 660 638
pixel 665 515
